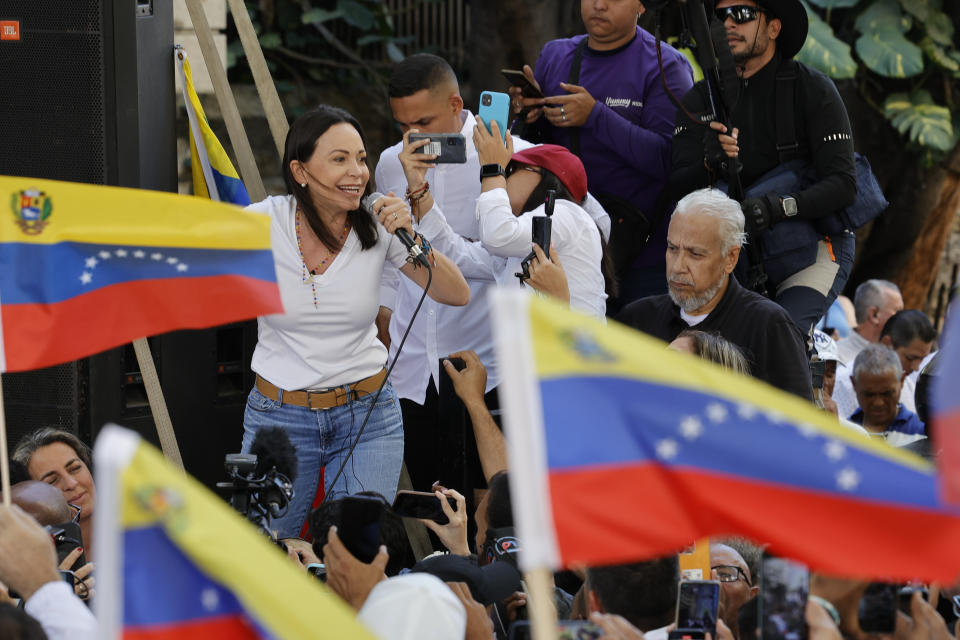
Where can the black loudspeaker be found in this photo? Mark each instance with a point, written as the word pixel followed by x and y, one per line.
pixel 87 94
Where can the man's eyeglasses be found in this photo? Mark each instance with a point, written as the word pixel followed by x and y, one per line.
pixel 730 573
pixel 741 13
pixel 76 517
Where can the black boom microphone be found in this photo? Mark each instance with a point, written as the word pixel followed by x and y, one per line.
pixel 413 249
pixel 275 453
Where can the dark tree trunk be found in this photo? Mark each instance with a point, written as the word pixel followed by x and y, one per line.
pixel 507 35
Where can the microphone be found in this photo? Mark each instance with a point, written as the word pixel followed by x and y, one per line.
pixel 274 452
pixel 413 249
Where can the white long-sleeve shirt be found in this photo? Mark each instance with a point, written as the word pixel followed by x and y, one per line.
pixel 574 235
pixel 438 329
pixel 62 614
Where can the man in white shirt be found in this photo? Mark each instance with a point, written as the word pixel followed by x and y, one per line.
pixel 425 95
pixel 874 302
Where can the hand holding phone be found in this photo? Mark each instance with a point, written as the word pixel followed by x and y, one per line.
pixel 495 107
pixel 542 230
pixel 422 505
pixel 877 611
pixel 782 603
pixel 518 78
pixel 449 148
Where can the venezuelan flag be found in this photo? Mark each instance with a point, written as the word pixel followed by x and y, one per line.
pixel 946 407
pixel 621 450
pixel 175 561
pixel 85 268
pixel 213 174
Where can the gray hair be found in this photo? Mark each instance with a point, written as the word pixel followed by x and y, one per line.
pixel 29 444
pixel 870 294
pixel 716 204
pixel 877 359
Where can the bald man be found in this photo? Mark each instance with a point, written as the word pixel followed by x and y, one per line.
pixel 42 501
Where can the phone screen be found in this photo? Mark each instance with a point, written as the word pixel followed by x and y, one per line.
pixel 877 612
pixel 359 527
pixel 784 588
pixel 414 504
pixel 697 605
pixel 566 630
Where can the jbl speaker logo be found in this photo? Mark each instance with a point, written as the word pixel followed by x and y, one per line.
pixel 9 30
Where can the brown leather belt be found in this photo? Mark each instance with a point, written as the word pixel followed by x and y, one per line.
pixel 328 399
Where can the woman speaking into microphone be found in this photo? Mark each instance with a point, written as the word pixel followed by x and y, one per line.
pixel 319 364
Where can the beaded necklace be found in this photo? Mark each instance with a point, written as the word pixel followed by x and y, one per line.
pixel 307 276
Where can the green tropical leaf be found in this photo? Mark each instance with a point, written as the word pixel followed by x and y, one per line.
pixel 316 16
pixel 939 55
pixel 394 52
pixel 888 53
pixel 927 123
pixel 271 40
pixel 356 15
pixel 365 40
pixel 940 28
pixel 880 13
pixel 824 51
pixel 920 9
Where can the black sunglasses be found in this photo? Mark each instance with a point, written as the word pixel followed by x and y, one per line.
pixel 741 13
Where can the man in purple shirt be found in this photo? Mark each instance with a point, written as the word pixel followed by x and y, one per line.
pixel 618 117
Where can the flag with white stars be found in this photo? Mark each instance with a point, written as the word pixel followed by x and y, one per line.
pixel 176 561
pixel 622 450
pixel 112 265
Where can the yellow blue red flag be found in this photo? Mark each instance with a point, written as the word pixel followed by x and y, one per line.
pixel 946 407
pixel 213 174
pixel 621 450
pixel 174 561
pixel 85 268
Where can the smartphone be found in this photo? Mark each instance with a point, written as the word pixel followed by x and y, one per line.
pixel 66 538
pixel 519 79
pixel 450 148
pixel 457 363
pixel 877 612
pixel 906 596
pixel 420 504
pixel 697 605
pixel 318 570
pixel 566 630
pixel 495 107
pixel 359 526
pixel 784 589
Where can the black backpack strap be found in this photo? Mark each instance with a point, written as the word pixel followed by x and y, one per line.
pixel 574 78
pixel 787 145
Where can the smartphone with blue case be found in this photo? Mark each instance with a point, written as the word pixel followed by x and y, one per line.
pixel 495 107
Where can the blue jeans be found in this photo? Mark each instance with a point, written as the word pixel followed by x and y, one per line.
pixel 322 438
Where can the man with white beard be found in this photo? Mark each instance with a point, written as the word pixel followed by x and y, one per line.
pixel 703 245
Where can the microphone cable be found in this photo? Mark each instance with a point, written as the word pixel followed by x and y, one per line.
pixel 376 397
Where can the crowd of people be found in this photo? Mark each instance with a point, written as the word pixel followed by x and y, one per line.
pixel 385 346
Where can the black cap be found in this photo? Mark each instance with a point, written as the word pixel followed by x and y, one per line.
pixel 488 584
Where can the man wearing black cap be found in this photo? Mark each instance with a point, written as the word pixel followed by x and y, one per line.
pixel 805 266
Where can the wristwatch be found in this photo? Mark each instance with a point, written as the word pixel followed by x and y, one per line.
pixel 491 171
pixel 789 205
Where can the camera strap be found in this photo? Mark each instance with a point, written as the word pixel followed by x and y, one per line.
pixel 574 78
pixel 787 145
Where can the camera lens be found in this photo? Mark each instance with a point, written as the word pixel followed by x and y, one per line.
pixel 487 100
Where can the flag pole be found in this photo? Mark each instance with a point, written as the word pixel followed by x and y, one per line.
pixel 228 105
pixel 4 458
pixel 543 613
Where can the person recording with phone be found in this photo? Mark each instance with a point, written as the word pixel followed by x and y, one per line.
pixel 514 186
pixel 606 101
pixel 319 365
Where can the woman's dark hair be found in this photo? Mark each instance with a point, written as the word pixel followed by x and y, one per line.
pixel 301 142
pixel 549 180
pixel 29 444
